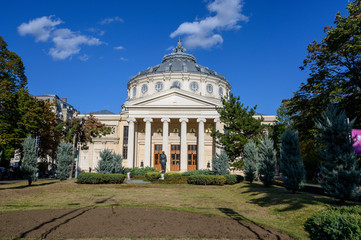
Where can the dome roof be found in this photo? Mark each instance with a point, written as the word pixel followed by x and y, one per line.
pixel 179 61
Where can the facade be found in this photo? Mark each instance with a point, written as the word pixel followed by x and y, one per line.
pixel 63 110
pixel 170 107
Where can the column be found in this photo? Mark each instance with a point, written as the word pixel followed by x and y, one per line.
pixel 165 146
pixel 148 142
pixel 218 128
pixel 183 144
pixel 130 158
pixel 201 163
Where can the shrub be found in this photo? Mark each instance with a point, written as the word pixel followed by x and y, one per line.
pixel 100 178
pixel 220 164
pixel 206 180
pixel 29 161
pixel 183 180
pixel 231 179
pixel 335 223
pixel 64 157
pixel 109 163
pixel 172 176
pixel 139 171
pixel 151 176
pixel 197 172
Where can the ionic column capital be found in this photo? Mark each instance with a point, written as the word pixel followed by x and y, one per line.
pixel 217 120
pixel 165 119
pixel 183 120
pixel 131 119
pixel 148 119
pixel 201 120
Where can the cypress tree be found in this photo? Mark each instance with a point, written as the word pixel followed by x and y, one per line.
pixel 220 164
pixel 267 161
pixel 64 156
pixel 109 163
pixel 340 171
pixel 251 161
pixel 291 163
pixel 29 161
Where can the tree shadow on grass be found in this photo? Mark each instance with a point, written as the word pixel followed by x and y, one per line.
pixel 272 196
pixel 27 186
pixel 65 218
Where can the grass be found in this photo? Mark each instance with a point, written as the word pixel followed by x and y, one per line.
pixel 274 207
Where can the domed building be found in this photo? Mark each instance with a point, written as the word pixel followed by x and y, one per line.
pixel 170 107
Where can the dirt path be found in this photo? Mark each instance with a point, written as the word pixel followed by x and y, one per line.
pixel 132 223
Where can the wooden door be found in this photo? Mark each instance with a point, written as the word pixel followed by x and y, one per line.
pixel 192 157
pixel 157 152
pixel 175 158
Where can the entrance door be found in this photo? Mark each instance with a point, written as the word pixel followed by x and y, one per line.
pixel 192 157
pixel 157 152
pixel 175 158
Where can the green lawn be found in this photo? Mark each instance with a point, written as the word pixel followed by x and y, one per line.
pixel 274 207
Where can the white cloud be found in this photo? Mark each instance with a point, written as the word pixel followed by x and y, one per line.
pixel 97 31
pixel 41 28
pixel 84 58
pixel 170 48
pixel 66 42
pixel 205 33
pixel 123 59
pixel 110 20
pixel 119 48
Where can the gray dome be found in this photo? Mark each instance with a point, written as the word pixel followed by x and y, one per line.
pixel 179 61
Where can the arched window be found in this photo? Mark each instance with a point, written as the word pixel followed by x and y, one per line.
pixel 158 86
pixel 194 86
pixel 210 88
pixel 144 88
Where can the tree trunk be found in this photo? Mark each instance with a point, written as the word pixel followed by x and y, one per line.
pixel 29 181
pixel 75 145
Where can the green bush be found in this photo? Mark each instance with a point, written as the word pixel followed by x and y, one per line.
pixel 206 180
pixel 139 171
pixel 151 176
pixel 231 179
pixel 197 172
pixel 335 223
pixel 100 178
pixel 172 176
pixel 183 180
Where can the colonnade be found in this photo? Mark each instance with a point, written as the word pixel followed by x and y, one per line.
pixel 165 144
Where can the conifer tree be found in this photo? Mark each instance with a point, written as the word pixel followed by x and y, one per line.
pixel 64 157
pixel 109 163
pixel 251 161
pixel 220 164
pixel 267 161
pixel 29 161
pixel 291 164
pixel 340 171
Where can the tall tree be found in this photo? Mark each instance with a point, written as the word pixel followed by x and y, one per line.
pixel 240 125
pixel 220 164
pixel 267 163
pixel 29 161
pixel 80 131
pixel 109 162
pixel 291 163
pixel 64 154
pixel 340 169
pixel 251 161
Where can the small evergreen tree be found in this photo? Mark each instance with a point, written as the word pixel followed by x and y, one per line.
pixel 220 164
pixel 64 156
pixel 340 171
pixel 29 161
pixel 109 163
pixel 251 161
pixel 291 164
pixel 267 161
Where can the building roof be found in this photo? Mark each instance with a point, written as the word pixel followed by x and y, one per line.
pixel 179 61
pixel 103 112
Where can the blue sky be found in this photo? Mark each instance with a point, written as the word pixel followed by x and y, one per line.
pixel 87 51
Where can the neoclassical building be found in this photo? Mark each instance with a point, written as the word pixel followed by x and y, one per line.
pixel 170 107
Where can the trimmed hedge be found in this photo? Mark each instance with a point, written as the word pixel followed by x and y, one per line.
pixel 335 223
pixel 99 178
pixel 183 180
pixel 151 176
pixel 139 171
pixel 233 179
pixel 172 176
pixel 206 180
pixel 197 172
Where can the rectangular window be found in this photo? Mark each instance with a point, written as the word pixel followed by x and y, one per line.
pixel 125 142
